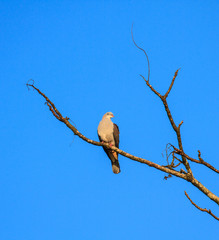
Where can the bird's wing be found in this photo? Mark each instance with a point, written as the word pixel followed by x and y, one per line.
pixel 113 156
pixel 116 135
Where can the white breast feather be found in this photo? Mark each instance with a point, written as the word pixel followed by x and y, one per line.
pixel 105 130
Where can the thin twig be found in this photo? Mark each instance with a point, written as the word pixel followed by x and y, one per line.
pixel 171 85
pixel 143 51
pixel 199 156
pixel 200 161
pixel 172 165
pixel 150 86
pixel 52 110
pixel 177 164
pixel 201 209
pixel 42 94
pixel 180 124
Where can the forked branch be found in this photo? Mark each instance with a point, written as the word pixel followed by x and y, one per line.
pixel 65 120
pixel 164 101
pixel 199 161
pixel 184 157
pixel 185 176
pixel 169 169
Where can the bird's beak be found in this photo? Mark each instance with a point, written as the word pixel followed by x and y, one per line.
pixel 112 115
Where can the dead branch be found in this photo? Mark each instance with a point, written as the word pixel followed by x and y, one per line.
pixel 180 174
pixel 200 161
pixel 163 98
pixel 201 209
pixel 171 85
pixel 199 156
pixel 180 124
pixel 150 86
pixel 65 120
pixel 170 168
pixel 164 101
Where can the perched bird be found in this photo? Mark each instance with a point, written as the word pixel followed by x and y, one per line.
pixel 108 132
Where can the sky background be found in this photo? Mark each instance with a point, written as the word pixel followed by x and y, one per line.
pixel 55 186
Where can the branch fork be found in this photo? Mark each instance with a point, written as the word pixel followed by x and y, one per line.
pixel 170 169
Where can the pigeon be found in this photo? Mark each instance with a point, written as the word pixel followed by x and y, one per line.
pixel 108 132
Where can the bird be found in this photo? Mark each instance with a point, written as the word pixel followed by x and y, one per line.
pixel 108 132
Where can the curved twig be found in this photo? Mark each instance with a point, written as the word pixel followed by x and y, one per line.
pixel 142 51
pixel 201 209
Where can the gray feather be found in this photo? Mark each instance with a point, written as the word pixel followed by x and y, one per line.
pixel 109 132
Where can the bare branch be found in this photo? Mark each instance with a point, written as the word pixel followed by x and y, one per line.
pixel 180 124
pixel 171 85
pixel 189 174
pixel 201 162
pixel 143 51
pixel 58 115
pixel 47 99
pixel 169 114
pixel 201 209
pixel 152 89
pixel 179 152
pixel 52 110
pixel 163 98
pixel 178 134
pixel 170 168
pixel 199 157
pixel 185 176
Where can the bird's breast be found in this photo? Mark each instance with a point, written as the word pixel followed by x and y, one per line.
pixel 105 131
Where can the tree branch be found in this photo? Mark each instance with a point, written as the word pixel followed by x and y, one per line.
pixel 65 120
pixel 170 168
pixel 163 99
pixel 190 177
pixel 184 176
pixel 200 161
pixel 171 85
pixel 201 209
pixel 150 86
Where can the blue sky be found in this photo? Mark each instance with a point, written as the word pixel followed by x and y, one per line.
pixel 55 186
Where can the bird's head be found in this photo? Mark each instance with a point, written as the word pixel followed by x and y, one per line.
pixel 108 115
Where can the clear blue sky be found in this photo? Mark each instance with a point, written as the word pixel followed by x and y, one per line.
pixel 80 53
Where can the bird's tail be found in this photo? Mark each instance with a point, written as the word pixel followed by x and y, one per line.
pixel 115 163
pixel 113 156
pixel 116 167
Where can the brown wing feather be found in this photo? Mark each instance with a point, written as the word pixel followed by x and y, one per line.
pixel 116 135
pixel 113 156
